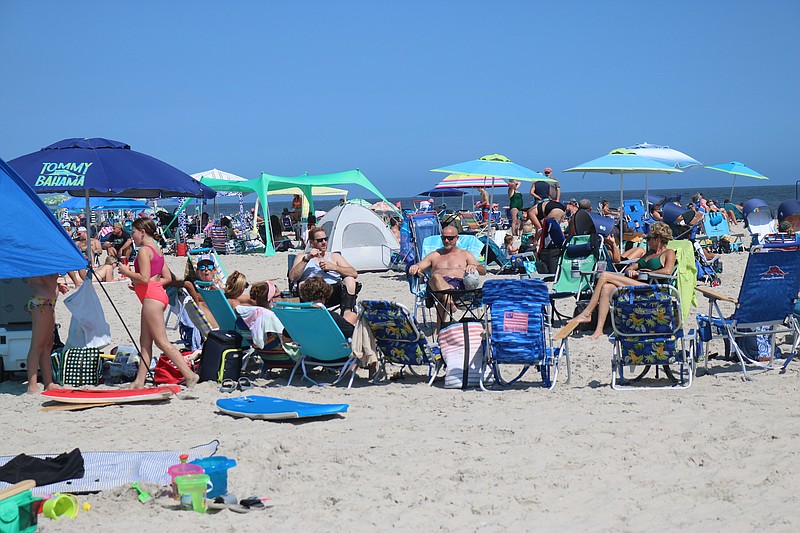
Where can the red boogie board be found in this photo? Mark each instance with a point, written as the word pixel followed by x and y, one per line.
pixel 111 395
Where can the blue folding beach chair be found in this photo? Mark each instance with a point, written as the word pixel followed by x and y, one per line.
pixel 517 319
pixel 648 331
pixel 319 340
pixel 272 354
pixel 636 217
pixel 764 308
pixel 399 340
pixel 414 229
pixel 419 285
pixel 716 228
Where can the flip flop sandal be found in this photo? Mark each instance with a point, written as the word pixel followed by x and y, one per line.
pixel 245 384
pixel 228 385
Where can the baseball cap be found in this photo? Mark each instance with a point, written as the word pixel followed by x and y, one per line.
pixel 573 201
pixel 548 169
pixel 81 229
pixel 205 261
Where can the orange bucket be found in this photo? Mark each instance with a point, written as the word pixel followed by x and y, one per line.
pixel 182 249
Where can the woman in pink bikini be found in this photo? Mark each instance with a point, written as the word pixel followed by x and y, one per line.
pixel 146 278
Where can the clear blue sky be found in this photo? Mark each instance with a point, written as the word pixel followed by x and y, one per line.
pixel 398 88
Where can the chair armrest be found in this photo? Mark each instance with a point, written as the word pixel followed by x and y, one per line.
pixel 564 332
pixel 711 294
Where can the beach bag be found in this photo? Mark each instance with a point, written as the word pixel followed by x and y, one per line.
pixel 166 373
pixel 77 367
pixel 221 357
pixel 463 350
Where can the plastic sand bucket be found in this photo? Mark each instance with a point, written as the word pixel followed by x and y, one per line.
pixel 217 469
pixel 192 490
pixel 60 505
pixel 182 248
pixel 184 469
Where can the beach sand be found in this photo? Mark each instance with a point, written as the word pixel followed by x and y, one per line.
pixel 720 456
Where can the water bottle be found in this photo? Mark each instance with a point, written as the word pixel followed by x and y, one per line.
pixel 576 268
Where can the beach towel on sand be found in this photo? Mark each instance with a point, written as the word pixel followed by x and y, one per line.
pixel 106 470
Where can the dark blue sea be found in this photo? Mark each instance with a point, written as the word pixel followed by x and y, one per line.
pixel 772 194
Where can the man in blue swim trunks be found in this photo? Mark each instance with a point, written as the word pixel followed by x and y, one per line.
pixel 448 265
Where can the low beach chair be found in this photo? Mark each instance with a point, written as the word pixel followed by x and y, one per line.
pixel 272 355
pixel 419 284
pixel 319 340
pixel 648 331
pixel 399 340
pixel 716 228
pixel 517 322
pixel 469 222
pixel 576 270
pixel 764 308
pixel 515 264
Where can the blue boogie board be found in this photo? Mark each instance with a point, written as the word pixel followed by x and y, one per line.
pixel 269 408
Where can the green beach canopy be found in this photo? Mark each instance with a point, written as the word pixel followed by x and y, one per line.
pixel 267 182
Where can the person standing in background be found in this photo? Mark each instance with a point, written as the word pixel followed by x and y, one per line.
pixel 555 187
pixel 42 307
pixel 514 206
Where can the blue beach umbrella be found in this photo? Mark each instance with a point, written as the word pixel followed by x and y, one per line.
pixel 736 168
pixel 102 167
pixel 441 193
pixel 622 161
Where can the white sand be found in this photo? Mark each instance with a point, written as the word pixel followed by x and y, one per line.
pixel 720 456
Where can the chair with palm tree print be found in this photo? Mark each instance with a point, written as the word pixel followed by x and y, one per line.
pixel 649 332
pixel 399 340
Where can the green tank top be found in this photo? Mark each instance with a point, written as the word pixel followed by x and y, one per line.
pixel 654 263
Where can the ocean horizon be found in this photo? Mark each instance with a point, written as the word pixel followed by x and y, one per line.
pixel 773 195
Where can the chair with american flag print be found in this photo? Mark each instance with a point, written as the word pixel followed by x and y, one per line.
pixel 519 332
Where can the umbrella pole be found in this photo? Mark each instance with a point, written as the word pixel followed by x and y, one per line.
pixel 732 186
pixel 621 203
pixel 646 195
pixel 89 253
pixel 488 226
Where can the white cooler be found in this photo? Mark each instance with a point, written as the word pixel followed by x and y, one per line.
pixel 15 341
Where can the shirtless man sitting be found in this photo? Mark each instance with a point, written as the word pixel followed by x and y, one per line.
pixel 449 264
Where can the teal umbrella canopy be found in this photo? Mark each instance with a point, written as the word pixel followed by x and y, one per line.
pixel 492 166
pixel 736 168
pixel 623 161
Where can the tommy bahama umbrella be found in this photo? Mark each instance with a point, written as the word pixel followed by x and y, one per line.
pixel 622 161
pixel 102 167
pixel 736 168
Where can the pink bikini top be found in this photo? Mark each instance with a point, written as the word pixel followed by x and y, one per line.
pixel 156 264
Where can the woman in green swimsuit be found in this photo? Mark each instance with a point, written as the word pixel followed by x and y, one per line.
pixel 658 260
pixel 514 206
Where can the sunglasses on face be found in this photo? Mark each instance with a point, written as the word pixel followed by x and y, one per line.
pixel 204 268
pixel 449 237
pixel 321 239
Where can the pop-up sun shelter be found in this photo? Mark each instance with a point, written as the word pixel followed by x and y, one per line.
pixel 267 182
pixel 43 247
